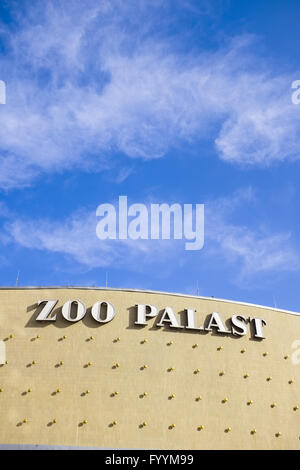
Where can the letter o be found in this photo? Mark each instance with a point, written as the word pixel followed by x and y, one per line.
pixel 96 310
pixel 67 307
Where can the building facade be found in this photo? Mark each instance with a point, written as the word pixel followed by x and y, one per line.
pixel 121 368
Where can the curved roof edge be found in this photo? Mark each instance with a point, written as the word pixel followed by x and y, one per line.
pixel 212 299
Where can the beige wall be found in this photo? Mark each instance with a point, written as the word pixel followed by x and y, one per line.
pixel 69 408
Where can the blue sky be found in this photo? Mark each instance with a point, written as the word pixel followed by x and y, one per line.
pixel 163 101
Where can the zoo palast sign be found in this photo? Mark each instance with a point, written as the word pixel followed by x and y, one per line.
pixel 104 312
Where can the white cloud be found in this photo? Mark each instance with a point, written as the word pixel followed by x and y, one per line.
pixel 253 251
pixel 76 240
pixel 250 251
pixel 83 88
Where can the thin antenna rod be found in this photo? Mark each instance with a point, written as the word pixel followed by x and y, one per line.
pixel 197 289
pixel 106 278
pixel 17 280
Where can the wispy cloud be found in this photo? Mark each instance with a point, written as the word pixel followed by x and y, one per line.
pixel 249 251
pixel 76 240
pixel 85 85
